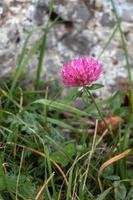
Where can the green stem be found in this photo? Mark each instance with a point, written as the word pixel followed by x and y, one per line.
pixel 41 58
pixel 98 110
pixel 123 146
pixel 100 184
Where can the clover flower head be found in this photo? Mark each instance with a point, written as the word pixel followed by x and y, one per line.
pixel 81 72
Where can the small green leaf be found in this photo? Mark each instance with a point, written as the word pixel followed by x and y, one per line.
pixel 120 191
pixel 60 158
pixel 130 194
pixel 95 86
pixel 104 194
pixel 70 150
pixel 113 178
pixel 65 157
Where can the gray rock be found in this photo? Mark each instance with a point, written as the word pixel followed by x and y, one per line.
pixel 127 15
pixel 77 33
pixel 107 21
pixel 3 10
pixel 125 10
pixel 7 58
pixel 40 12
pixel 78 44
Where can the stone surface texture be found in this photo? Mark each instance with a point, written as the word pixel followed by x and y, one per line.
pixel 83 28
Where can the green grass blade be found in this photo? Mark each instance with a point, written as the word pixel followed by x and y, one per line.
pixel 68 195
pixel 43 46
pixel 61 124
pixel 60 106
pixel 24 63
pixel 52 2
